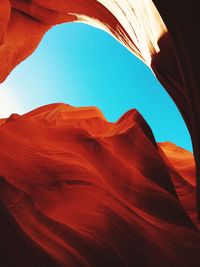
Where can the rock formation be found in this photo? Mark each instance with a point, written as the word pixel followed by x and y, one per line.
pixel 60 206
pixel 77 190
pixel 161 35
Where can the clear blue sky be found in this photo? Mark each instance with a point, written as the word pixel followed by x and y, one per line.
pixel 83 66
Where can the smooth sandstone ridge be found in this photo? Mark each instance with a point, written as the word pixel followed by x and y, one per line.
pixel 77 190
pixel 163 34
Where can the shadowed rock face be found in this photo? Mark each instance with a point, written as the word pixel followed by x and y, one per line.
pixel 137 24
pixel 77 190
pixel 165 39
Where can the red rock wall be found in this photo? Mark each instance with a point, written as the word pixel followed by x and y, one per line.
pixel 170 48
pixel 80 191
pixel 166 38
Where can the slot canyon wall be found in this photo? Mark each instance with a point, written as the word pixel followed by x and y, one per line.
pixel 77 190
pixel 165 36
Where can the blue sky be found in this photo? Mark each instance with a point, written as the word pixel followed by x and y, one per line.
pixel 83 66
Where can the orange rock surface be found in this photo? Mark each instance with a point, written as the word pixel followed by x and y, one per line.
pixel 166 39
pixel 77 190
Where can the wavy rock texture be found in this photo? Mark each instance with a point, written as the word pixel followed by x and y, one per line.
pixel 161 35
pixel 77 190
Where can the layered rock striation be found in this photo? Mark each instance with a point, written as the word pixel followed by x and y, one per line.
pixel 77 190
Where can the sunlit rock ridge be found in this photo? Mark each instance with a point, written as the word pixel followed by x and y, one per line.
pixel 77 190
